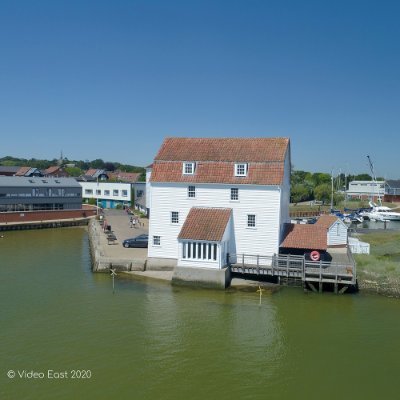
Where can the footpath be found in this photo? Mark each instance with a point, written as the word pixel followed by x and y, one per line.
pixel 108 254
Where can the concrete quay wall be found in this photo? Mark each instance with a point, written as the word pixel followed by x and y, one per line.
pixel 101 262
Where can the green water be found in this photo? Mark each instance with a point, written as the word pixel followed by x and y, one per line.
pixel 153 341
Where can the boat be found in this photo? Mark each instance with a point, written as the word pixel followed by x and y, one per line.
pixel 379 212
pixel 382 213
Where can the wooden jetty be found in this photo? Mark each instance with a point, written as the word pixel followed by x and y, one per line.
pixel 296 270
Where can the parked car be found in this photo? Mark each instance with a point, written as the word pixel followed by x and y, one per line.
pixel 138 241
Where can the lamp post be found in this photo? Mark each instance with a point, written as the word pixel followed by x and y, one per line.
pixel 97 197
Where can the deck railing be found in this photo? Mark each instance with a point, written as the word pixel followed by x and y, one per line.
pixel 292 266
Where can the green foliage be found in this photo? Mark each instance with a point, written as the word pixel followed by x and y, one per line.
pixel 338 198
pixel 300 192
pixel 80 166
pixel 92 201
pixel 323 192
pixel 73 171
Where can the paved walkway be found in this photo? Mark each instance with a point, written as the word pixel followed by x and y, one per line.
pixel 120 225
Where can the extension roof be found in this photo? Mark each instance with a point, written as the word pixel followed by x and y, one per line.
pixel 205 224
pixel 307 236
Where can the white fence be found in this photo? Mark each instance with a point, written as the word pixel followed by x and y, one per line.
pixel 358 247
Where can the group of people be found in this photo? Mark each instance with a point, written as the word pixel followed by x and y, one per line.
pixel 134 221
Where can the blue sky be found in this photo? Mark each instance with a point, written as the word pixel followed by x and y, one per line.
pixel 111 79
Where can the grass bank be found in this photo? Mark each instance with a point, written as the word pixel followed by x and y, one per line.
pixel 380 271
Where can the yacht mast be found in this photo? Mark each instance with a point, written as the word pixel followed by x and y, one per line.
pixel 371 166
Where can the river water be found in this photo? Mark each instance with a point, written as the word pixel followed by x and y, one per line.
pixel 150 340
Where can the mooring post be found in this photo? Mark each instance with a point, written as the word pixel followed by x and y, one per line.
pixel 287 266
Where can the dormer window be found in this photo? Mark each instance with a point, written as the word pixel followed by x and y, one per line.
pixel 241 169
pixel 188 168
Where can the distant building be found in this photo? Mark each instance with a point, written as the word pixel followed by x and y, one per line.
pixel 107 194
pixel 140 197
pixel 29 172
pixel 365 190
pixel 120 176
pixel 37 193
pixel 8 171
pixel 392 190
pixel 92 175
pixel 56 171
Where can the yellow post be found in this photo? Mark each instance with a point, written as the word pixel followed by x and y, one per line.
pixel 260 290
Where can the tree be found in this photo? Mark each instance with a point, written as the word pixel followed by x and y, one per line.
pixel 97 164
pixel 323 192
pixel 300 192
pixel 73 171
pixel 109 166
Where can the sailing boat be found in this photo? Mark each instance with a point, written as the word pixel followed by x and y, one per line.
pixel 379 212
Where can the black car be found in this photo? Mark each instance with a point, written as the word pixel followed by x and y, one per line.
pixel 138 241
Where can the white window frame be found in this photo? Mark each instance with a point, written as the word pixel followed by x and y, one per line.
pixel 174 217
pixel 191 191
pixel 124 193
pixel 188 168
pixel 236 194
pixel 157 240
pixel 248 220
pixel 98 192
pixel 241 169
pixel 115 192
pixel 106 192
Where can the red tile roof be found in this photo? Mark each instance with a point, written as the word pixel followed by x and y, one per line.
pixel 223 149
pixel 124 176
pixel 326 221
pixel 205 224
pixel 53 169
pixel 22 171
pixel 215 160
pixel 308 236
pixel 218 172
pixel 91 171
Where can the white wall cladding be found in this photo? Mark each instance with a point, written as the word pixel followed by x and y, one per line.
pixel 115 190
pixel 337 234
pixel 263 201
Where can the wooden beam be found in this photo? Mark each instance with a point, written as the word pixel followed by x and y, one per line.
pixel 312 287
pixel 343 289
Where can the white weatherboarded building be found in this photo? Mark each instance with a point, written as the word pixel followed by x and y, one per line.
pixel 210 197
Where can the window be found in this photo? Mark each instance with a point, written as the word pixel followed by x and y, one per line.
pixel 115 192
pixel 192 191
pixel 240 169
pixel 98 192
pixel 184 250
pixel 156 240
pixel 200 251
pixel 174 217
pixel 88 191
pixel 106 193
pixel 234 194
pixel 188 168
pixel 251 221
pixel 124 193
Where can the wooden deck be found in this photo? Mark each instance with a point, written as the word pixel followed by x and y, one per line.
pixel 295 269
